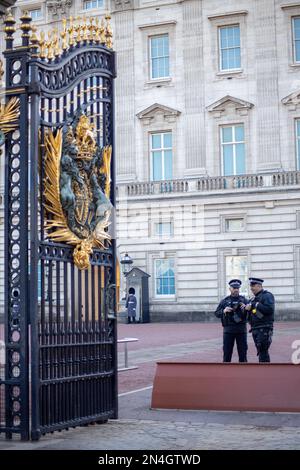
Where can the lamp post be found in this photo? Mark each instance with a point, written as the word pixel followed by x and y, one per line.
pixel 126 263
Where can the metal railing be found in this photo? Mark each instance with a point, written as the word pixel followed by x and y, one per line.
pixel 126 362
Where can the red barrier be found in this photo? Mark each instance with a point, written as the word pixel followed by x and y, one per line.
pixel 235 387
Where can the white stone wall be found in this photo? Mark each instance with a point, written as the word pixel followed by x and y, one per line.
pixel 264 97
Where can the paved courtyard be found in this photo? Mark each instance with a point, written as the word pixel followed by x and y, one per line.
pixel 139 427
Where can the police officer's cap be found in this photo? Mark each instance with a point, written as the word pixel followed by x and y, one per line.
pixel 235 283
pixel 255 280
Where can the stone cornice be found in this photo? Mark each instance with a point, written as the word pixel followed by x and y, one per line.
pixel 148 114
pixel 290 5
pixel 161 23
pixel 228 14
pixel 218 107
pixel 292 101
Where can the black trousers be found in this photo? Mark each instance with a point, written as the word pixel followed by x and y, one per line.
pixel 228 343
pixel 129 319
pixel 262 338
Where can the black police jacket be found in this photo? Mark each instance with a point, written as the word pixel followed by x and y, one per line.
pixel 236 321
pixel 263 310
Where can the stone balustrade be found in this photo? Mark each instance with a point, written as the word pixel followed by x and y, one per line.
pixel 217 183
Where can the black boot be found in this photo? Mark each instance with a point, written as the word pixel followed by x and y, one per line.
pixel 128 320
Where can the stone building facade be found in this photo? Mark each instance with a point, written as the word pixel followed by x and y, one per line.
pixel 208 144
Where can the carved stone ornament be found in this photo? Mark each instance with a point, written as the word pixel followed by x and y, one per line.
pixel 77 189
pixel 59 7
pixel 120 5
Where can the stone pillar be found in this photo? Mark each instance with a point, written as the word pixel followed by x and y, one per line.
pixel 194 116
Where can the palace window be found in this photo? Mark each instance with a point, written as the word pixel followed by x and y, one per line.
pixel 92 4
pixel 36 14
pixel 164 229
pixel 296 38
pixel 237 268
pixel 229 48
pixel 161 156
pixel 159 57
pixel 233 150
pixel 164 277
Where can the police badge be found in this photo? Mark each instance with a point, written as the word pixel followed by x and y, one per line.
pixel 77 189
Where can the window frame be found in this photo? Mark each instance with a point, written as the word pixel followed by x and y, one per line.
pixel 93 8
pixel 297 62
pixel 37 8
pixel 229 218
pixel 234 143
pixel 234 69
pixel 161 149
pixel 164 296
pixel 155 36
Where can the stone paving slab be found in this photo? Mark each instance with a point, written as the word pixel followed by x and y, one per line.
pixel 157 435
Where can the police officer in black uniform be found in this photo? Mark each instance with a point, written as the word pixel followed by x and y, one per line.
pixel 261 309
pixel 233 315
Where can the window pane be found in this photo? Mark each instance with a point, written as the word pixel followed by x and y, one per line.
pixel 156 141
pixel 236 36
pixel 298 148
pixel 298 127
pixel 240 159
pixel 155 68
pixel 226 134
pixel 296 28
pixel 239 133
pixel 157 165
pixel 223 38
pixel 228 159
pixel 167 140
pixel 168 164
pixel 297 51
pixel 225 60
pixel 237 58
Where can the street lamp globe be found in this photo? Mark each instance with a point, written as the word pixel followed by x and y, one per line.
pixel 126 263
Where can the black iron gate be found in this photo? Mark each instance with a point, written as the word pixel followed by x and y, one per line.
pixel 60 324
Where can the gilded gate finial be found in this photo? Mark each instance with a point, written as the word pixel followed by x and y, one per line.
pixel 102 32
pixel 108 32
pixel 50 47
pixel 73 31
pixel 63 35
pixel 43 45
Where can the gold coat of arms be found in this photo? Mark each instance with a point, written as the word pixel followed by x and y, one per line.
pixel 77 188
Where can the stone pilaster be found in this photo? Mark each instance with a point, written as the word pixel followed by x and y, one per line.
pixel 194 91
pixel 267 99
pixel 125 95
